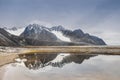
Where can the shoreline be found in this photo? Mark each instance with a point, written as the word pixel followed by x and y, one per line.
pixel 106 50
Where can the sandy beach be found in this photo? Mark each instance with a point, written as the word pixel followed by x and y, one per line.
pixel 2 71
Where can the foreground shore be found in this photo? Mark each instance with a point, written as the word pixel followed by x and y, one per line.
pixel 8 54
pixel 112 50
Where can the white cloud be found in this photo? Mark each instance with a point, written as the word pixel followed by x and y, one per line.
pixel 47 24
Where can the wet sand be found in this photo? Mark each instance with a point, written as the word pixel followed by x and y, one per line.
pixel 2 72
pixel 7 58
pixel 112 50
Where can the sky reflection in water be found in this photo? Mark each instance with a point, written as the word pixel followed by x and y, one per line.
pixel 64 67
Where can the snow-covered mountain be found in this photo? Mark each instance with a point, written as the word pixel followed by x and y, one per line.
pixel 37 29
pixel 38 32
pixel 43 33
pixel 61 36
pixel 15 31
pixel 57 30
pixel 35 34
pixel 7 39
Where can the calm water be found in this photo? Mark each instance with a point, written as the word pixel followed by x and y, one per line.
pixel 62 66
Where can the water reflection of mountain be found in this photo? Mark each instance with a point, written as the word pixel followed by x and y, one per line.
pixel 36 61
pixel 78 59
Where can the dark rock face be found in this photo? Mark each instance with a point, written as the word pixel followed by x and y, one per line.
pixel 38 32
pixel 78 33
pixel 38 35
pixel 52 43
pixel 5 38
pixel 57 28
pixel 5 41
pixel 79 36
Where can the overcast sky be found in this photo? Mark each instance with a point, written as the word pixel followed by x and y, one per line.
pixel 97 17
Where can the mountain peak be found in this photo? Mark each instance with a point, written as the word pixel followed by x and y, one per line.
pixel 47 24
pixel 57 34
pixel 58 28
pixel 38 32
pixel 78 33
pixel 36 28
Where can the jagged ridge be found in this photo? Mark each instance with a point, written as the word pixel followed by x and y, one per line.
pixel 35 34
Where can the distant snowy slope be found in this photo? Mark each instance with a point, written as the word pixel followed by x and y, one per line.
pixel 58 34
pixel 41 32
pixel 16 32
pixel 61 36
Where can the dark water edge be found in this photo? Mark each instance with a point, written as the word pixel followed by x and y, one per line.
pixel 62 66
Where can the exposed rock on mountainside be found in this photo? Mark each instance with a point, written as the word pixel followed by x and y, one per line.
pixel 38 32
pixel 57 28
pixel 39 35
pixel 79 36
pixel 6 38
pixel 43 33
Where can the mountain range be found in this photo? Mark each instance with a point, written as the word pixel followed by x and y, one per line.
pixel 40 35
